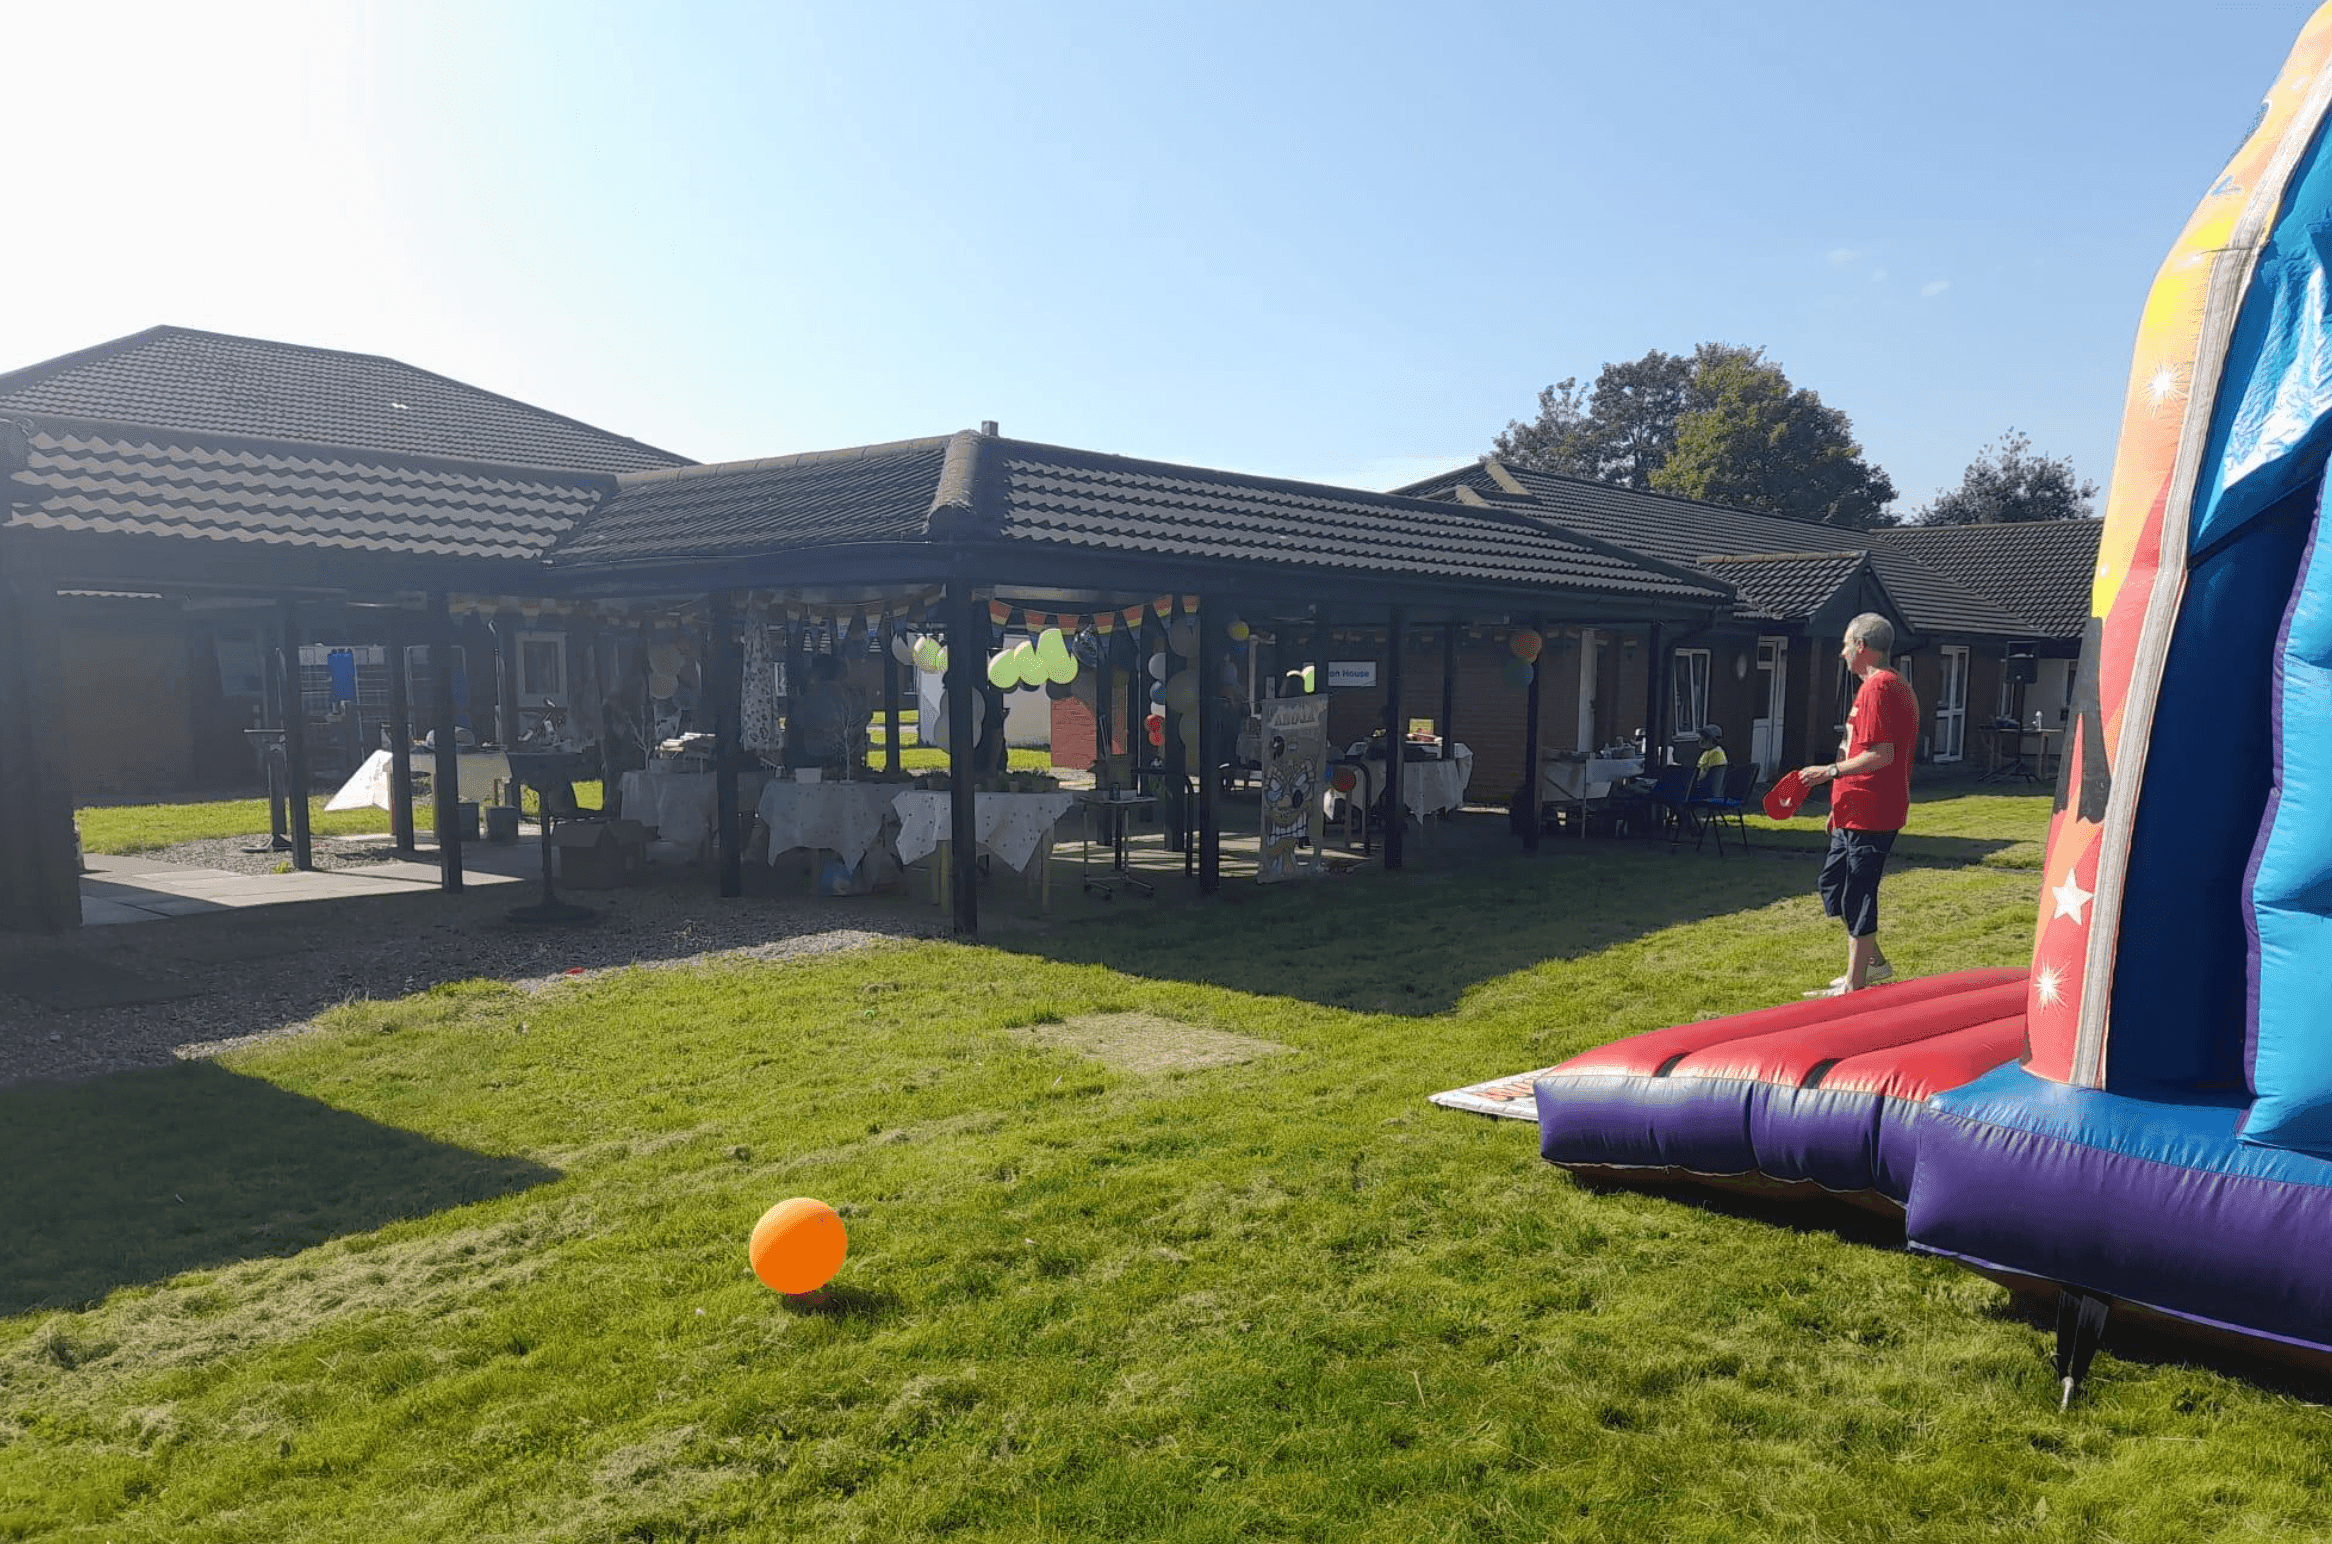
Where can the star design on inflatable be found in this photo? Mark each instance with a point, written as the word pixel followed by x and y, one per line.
pixel 2072 900
pixel 2048 986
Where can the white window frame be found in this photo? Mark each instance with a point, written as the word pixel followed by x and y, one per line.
pixel 1688 692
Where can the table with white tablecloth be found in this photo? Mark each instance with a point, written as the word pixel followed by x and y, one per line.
pixel 1427 787
pixel 680 804
pixel 1012 826
pixel 846 819
pixel 1573 781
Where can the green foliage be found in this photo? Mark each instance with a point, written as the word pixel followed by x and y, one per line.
pixel 1722 424
pixel 471 1264
pixel 1758 442
pixel 2009 483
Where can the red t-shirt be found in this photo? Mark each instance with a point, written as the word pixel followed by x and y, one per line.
pixel 1884 713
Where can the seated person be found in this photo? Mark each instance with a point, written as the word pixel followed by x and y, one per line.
pixel 1706 775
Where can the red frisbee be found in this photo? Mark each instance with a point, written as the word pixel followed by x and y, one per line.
pixel 1787 793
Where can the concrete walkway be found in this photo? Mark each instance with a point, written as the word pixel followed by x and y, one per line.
pixel 142 889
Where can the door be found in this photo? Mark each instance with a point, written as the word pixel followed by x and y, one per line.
pixel 1951 706
pixel 1765 730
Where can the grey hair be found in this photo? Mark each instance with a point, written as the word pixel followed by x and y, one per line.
pixel 1873 632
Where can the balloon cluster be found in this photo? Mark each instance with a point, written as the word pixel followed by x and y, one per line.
pixel 1042 661
pixel 1525 645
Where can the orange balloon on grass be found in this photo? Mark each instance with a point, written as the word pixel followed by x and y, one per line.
pixel 797 1246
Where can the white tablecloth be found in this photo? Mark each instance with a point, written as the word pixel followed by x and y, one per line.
pixel 1589 779
pixel 680 804
pixel 479 771
pixel 1427 787
pixel 1010 825
pixel 843 818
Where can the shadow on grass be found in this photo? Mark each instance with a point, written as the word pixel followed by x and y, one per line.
pixel 137 1177
pixel 1414 941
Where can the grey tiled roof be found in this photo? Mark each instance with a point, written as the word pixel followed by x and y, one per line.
pixel 85 478
pixel 1655 524
pixel 1782 586
pixel 1980 590
pixel 2041 570
pixel 872 493
pixel 1018 494
pixel 1086 499
pixel 212 383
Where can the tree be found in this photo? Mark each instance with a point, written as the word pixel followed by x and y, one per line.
pixel 1628 427
pixel 2008 483
pixel 1752 439
pixel 1617 432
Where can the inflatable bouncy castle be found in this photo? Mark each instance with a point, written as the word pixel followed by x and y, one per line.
pixel 2143 1120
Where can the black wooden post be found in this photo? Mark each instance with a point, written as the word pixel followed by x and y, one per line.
pixel 446 771
pixel 1396 736
pixel 728 690
pixel 1448 724
pixel 1530 747
pixel 1655 701
pixel 1210 749
pixel 797 666
pixel 890 699
pixel 400 738
pixel 1319 659
pixel 967 661
pixel 1176 792
pixel 40 889
pixel 295 738
pixel 1104 710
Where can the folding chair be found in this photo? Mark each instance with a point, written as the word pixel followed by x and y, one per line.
pixel 1666 796
pixel 1699 806
pixel 1728 803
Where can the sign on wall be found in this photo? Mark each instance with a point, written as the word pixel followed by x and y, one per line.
pixel 1351 672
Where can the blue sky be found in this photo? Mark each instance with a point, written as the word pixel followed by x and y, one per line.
pixel 1344 243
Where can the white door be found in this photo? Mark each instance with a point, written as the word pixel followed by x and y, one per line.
pixel 1765 729
pixel 1951 706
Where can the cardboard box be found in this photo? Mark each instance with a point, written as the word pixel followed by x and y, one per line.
pixel 598 854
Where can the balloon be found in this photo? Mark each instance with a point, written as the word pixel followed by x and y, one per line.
pixel 1526 644
pixel 1059 691
pixel 1182 692
pixel 1517 673
pixel 660 685
pixel 1157 692
pixel 939 658
pixel 927 653
pixel 903 648
pixel 1052 653
pixel 1155 727
pixel 1026 665
pixel 1186 725
pixel 798 1245
pixel 1238 630
pixel 1003 670
pixel 1182 638
pixel 1344 779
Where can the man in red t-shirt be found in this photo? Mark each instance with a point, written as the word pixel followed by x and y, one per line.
pixel 1871 801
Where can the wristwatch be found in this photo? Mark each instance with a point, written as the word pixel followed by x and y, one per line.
pixel 1833 771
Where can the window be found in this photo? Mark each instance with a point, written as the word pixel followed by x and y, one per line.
pixel 542 667
pixel 1688 695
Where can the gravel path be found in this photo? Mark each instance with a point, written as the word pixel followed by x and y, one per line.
pixel 234 854
pixel 224 979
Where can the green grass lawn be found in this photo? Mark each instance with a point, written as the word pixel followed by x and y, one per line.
pixel 472 1264
pixel 121 828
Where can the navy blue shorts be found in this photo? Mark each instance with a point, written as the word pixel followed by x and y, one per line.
pixel 1850 878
